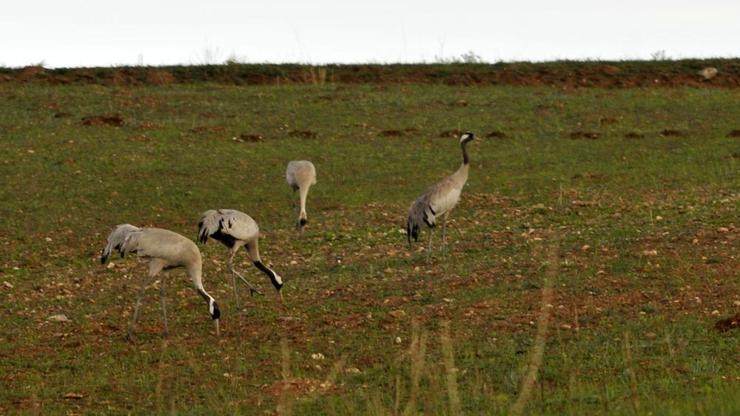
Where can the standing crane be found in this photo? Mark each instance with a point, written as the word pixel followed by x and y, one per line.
pixel 440 199
pixel 235 229
pixel 164 250
pixel 301 174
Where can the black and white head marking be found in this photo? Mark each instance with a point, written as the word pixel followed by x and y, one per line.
pixel 466 137
pixel 213 309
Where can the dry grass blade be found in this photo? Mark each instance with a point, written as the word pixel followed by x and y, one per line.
pixel 633 377
pixel 417 353
pixel 450 369
pixel 543 320
pixel 285 401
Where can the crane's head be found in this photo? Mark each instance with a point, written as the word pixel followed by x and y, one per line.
pixel 276 280
pixel 466 137
pixel 213 309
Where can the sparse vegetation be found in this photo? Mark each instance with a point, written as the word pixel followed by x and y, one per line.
pixel 644 229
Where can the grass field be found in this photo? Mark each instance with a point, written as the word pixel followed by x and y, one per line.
pixel 595 245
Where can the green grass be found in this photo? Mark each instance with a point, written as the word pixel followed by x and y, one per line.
pixel 354 286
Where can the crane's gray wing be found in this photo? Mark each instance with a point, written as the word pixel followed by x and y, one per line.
pixel 116 240
pixel 239 225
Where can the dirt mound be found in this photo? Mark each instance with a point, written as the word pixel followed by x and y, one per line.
pixel 565 74
pixel 591 135
pixel 251 137
pixel 390 133
pixel 724 325
pixel 103 120
pixel 734 133
pixel 496 135
pixel 455 133
pixel 671 133
pixel 303 134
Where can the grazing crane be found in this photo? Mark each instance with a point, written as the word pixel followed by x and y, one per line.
pixel 440 199
pixel 301 174
pixel 164 250
pixel 235 229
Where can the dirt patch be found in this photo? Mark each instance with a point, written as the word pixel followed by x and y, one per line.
pixel 303 134
pixel 451 133
pixel 31 72
pixel 671 133
pixel 591 135
pixel 103 120
pixel 734 133
pixel 159 77
pixel 207 129
pixel 142 138
pixel 299 386
pixel 496 135
pixel 634 135
pixel 122 78
pixel 724 325
pixel 609 120
pixel 148 125
pixel 251 137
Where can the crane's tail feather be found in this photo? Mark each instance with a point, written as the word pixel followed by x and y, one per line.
pixel 420 213
pixel 209 224
pixel 117 240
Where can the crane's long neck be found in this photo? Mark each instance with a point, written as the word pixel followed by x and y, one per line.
pixel 196 275
pixel 276 280
pixel 303 191
pixel 466 159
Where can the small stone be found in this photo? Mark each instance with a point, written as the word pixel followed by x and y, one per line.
pixel 317 356
pixel 650 253
pixel 585 247
pixel 7 284
pixel 723 230
pixel 398 340
pixel 565 326
pixel 398 314
pixel 715 313
pixel 58 318
pixel 48 240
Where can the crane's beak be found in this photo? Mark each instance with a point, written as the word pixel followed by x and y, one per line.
pixel 218 329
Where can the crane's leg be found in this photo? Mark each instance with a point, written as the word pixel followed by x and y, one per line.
pixel 147 281
pixel 164 306
pixel 429 249
pixel 252 288
pixel 230 262
pixel 444 232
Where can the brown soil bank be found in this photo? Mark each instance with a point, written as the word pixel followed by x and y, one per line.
pixel 568 74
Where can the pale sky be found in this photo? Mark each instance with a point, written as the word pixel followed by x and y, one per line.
pixel 67 33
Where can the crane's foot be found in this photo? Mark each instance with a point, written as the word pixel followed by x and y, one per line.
pixel 253 291
pixel 130 337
